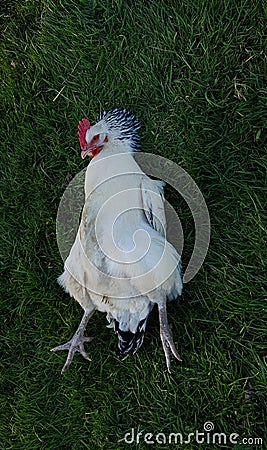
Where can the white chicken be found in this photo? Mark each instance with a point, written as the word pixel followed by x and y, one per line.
pixel 121 262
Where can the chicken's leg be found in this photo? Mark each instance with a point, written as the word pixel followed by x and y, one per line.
pixel 76 344
pixel 166 335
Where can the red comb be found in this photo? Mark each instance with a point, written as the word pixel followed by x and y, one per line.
pixel 83 126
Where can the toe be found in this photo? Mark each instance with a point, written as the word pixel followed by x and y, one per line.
pixel 83 352
pixel 60 347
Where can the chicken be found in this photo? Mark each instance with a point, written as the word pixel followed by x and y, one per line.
pixel 121 262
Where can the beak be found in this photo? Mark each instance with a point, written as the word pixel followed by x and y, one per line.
pixel 87 152
pixel 91 151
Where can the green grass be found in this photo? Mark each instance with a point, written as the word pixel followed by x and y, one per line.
pixel 194 72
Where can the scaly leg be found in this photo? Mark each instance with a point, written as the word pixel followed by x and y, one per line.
pixel 166 335
pixel 76 344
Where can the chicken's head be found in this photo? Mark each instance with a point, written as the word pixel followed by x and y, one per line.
pixel 112 127
pixel 91 143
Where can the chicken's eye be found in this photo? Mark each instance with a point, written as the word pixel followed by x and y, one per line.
pixel 96 137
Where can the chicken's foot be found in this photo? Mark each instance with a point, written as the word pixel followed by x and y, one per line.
pixel 76 344
pixel 166 335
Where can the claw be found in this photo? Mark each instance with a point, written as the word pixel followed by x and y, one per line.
pixel 166 336
pixel 168 344
pixel 76 344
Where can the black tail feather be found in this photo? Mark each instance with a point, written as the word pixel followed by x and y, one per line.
pixel 128 342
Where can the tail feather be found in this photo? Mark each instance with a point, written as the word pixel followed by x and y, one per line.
pixel 128 342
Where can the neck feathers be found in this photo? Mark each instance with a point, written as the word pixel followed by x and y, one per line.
pixel 123 126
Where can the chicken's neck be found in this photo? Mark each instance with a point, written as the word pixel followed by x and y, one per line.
pixel 109 165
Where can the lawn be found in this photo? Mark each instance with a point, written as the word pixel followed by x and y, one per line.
pixel 194 72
